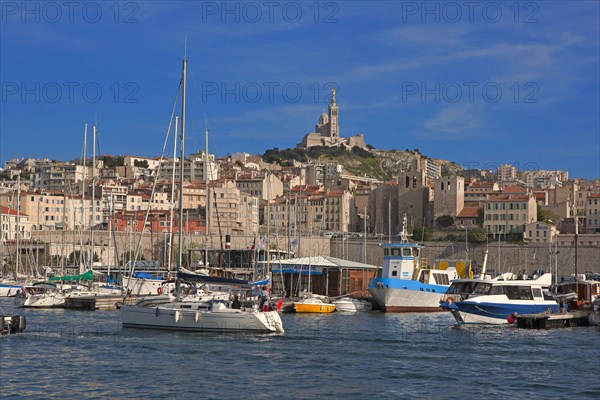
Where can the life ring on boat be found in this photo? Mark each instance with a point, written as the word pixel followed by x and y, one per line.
pixel 450 300
pixel 159 290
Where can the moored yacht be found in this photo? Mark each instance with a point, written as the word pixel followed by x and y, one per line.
pixel 202 316
pixel 350 304
pixel 498 300
pixel 44 295
pixel 313 305
pixel 197 315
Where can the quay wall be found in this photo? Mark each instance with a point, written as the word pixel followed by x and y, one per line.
pixel 506 257
pixel 503 257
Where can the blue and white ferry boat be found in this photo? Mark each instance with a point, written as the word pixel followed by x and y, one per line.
pixel 402 285
pixel 498 300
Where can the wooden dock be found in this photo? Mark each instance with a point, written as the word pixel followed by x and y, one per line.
pixel 553 321
pixel 100 302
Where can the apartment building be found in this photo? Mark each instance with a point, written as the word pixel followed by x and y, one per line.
pixel 193 169
pixel 60 176
pixel 265 187
pixel 14 225
pixel 592 213
pixel 231 211
pixel 476 192
pixel 507 214
pixel 540 232
pixel 544 179
pixel 45 208
pixel 312 209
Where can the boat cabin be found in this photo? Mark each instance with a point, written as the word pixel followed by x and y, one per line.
pixel 514 291
pixel 400 260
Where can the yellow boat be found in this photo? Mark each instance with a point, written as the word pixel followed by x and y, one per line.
pixel 313 305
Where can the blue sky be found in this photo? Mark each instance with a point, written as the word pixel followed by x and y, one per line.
pixel 480 84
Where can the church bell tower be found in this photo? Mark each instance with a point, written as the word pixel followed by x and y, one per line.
pixel 333 117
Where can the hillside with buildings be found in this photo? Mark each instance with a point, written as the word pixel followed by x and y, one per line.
pixel 327 185
pixel 367 162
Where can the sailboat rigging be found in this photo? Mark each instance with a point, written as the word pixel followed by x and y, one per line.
pixel 197 313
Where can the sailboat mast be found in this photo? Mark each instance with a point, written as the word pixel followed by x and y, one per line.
pixel 110 213
pixel 576 250
pixel 170 255
pixel 206 200
pixel 18 236
pixel 181 169
pixel 93 194
pixel 83 182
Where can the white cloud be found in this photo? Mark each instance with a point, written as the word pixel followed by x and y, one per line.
pixel 453 123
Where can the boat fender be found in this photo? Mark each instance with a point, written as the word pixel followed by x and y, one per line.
pixel 512 318
pixel 157 312
pixel 159 290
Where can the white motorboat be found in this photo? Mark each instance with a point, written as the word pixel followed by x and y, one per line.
pixel 498 300
pixel 350 304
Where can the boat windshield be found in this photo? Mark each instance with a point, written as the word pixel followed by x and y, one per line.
pixel 518 292
pixel 470 289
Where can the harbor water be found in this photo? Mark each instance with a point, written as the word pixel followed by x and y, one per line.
pixel 79 354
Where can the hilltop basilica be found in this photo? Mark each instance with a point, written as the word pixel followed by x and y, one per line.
pixel 327 131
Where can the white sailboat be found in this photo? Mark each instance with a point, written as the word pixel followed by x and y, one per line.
pixel 196 315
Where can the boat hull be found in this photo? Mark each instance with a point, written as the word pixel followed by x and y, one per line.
pixel 404 300
pixel 472 312
pixel 352 305
pixel 314 308
pixel 46 300
pixel 9 290
pixel 228 320
pixel 143 287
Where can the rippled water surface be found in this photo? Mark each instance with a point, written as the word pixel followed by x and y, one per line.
pixel 74 354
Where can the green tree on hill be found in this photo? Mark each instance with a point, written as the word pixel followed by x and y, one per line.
pixel 445 221
pixel 478 235
pixel 420 233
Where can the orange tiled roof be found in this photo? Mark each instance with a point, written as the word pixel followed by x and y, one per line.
pixel 514 189
pixel 10 211
pixel 505 197
pixel 468 212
